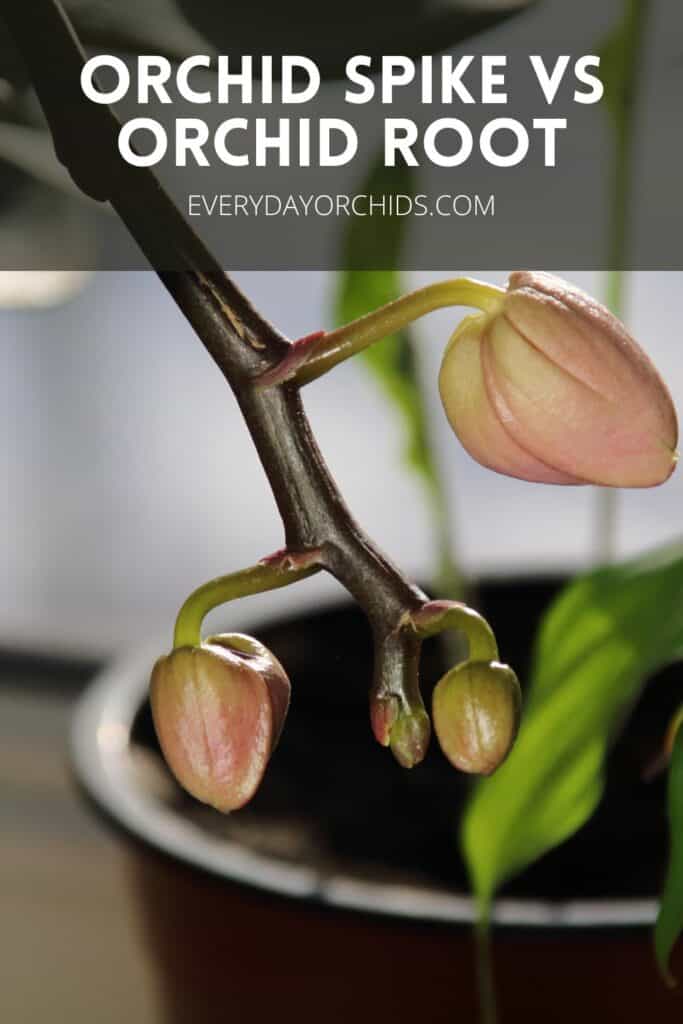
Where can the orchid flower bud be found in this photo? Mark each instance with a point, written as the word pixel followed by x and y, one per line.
pixel 218 711
pixel 410 737
pixel 476 710
pixel 550 387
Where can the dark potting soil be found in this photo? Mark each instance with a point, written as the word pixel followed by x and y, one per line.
pixel 332 795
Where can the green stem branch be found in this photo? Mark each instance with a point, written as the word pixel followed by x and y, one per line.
pixel 438 616
pixel 314 356
pixel 255 580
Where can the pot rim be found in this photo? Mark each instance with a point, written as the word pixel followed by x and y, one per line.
pixel 100 745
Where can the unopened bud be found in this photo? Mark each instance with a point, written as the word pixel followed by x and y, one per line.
pixel 261 660
pixel 218 711
pixel 476 710
pixel 410 737
pixel 384 713
pixel 551 387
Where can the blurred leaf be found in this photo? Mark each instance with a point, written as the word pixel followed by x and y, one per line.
pixel 601 639
pixel 670 920
pixel 46 222
pixel 11 66
pixel 378 240
pixel 621 56
pixel 32 151
pixel 137 26
pixel 128 26
pixel 330 34
pixel 618 54
pixel 179 28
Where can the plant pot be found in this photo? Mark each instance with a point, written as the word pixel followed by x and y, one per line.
pixel 376 919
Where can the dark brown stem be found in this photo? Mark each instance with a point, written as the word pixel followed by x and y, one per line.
pixel 240 341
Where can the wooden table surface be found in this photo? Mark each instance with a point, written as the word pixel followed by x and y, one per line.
pixel 97 929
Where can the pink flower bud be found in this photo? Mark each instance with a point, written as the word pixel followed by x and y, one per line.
pixel 476 710
pixel 384 713
pixel 552 388
pixel 218 711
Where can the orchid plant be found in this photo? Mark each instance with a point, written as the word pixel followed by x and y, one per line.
pixel 542 383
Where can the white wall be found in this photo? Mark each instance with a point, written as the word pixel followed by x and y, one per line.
pixel 131 478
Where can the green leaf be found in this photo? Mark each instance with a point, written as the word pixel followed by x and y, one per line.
pixel 670 919
pixel 619 55
pixel 378 240
pixel 601 639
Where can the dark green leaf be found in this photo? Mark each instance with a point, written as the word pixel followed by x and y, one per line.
pixel 599 642
pixel 670 920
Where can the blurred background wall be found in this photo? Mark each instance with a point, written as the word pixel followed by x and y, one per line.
pixel 130 477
